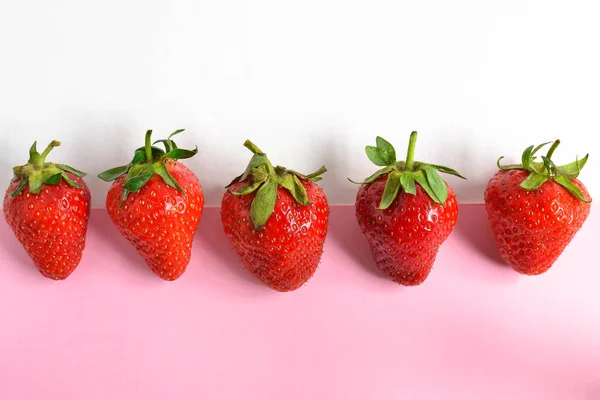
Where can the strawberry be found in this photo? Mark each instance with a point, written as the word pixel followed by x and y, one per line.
pixel 406 211
pixel 276 219
pixel 47 206
pixel 156 203
pixel 535 209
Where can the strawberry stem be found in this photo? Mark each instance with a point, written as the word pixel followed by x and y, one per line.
pixel 148 146
pixel 552 148
pixel 36 159
pixel 410 155
pixel 253 148
pixel 47 150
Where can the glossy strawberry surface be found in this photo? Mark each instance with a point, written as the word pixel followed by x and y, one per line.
pixel 160 221
pixel 532 228
pixel 285 253
pixel 51 225
pixel 405 237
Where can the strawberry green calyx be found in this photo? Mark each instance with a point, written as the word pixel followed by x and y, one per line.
pixel 146 162
pixel 405 174
pixel 37 172
pixel 546 170
pixel 261 177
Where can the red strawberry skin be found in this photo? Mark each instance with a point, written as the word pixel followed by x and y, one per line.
pixel 532 228
pixel 285 253
pixel 159 221
pixel 51 225
pixel 405 237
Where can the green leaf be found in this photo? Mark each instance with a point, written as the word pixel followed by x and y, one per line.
pixel 509 166
pixel 407 180
pixel 18 170
pixel 263 204
pixel 391 190
pixel 421 180
pixel 533 181
pixel 137 169
pixel 446 170
pixel 255 161
pixel 69 181
pixel 113 173
pixel 53 179
pixel 33 149
pixel 572 188
pixel 526 157
pixel 19 188
pixel 279 168
pixel 177 132
pixel 536 166
pixel 164 173
pixel 550 167
pixel 300 194
pixel 571 171
pixel 134 184
pixel 295 187
pixel 437 184
pixel 169 145
pixel 36 182
pixel 138 157
pixel 156 152
pixel 315 176
pixel 376 156
pixel 124 195
pixel 180 154
pixel 538 148
pixel 260 173
pixel 373 177
pixel 386 149
pixel 33 153
pixel 236 179
pixel 247 188
pixel 72 170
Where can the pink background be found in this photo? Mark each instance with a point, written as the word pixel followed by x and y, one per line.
pixel 474 330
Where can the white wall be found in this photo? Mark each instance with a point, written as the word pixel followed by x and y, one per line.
pixel 311 82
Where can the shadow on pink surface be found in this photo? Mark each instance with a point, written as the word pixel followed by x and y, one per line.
pixel 103 230
pixel 211 239
pixel 474 330
pixel 14 256
pixel 474 227
pixel 470 249
pixel 345 234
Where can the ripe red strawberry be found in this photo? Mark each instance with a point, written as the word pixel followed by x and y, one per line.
pixel 406 211
pixel 276 219
pixel 156 203
pixel 47 206
pixel 535 209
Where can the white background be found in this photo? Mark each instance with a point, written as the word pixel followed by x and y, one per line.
pixel 311 82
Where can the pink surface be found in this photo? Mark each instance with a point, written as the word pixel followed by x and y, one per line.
pixel 474 330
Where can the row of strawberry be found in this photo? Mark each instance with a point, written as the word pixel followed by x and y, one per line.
pixel 277 219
